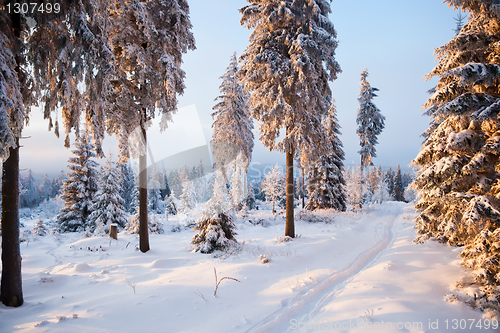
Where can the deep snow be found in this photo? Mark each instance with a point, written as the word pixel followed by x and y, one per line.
pixel 359 273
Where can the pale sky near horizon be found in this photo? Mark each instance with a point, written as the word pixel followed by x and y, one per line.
pixel 394 40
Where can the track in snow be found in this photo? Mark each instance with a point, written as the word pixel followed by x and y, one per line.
pixel 307 304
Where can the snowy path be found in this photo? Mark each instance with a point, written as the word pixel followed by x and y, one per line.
pixel 308 303
pixel 360 262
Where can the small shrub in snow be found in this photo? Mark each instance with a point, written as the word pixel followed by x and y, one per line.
pixel 308 216
pixel 283 239
pixel 39 229
pixel 264 259
pixel 154 225
pixel 261 222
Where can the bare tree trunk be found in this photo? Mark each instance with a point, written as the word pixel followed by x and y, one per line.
pixel 11 290
pixel 143 197
pixel 290 226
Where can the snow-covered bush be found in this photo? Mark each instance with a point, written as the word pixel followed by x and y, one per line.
pixel 215 233
pixel 154 224
pixel 40 229
pixel 215 226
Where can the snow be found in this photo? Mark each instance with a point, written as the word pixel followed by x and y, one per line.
pixel 359 268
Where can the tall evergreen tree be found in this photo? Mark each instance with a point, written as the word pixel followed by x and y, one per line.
pixel 108 205
pixel 127 186
pixel 46 190
pixel 232 124
pixel 286 67
pixel 353 188
pixel 398 186
pixel 30 192
pixel 381 193
pixel 325 179
pixel 187 202
pixel 79 189
pixel 389 180
pixel 147 40
pixel 458 176
pixel 165 190
pixel 272 185
pixel 174 181
pixel 370 123
pixel 155 202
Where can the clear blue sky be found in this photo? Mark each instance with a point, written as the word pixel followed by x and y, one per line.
pixel 394 40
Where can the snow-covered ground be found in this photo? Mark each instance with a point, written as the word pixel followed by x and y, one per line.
pixel 358 273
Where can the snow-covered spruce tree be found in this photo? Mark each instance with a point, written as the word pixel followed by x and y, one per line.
pixel 108 205
pixel 389 180
pixel 127 186
pixel 372 182
pixel 370 123
pixel 46 190
pixel 325 179
pixel 186 201
pixel 147 40
pixel 165 190
pixel 30 193
pixel 398 185
pixel 79 189
pixel 174 181
pixel 134 203
pixel 232 124
pixel 216 229
pixel 381 193
pixel 170 208
pixel 286 67
pixel 273 185
pixel 458 176
pixel 155 202
pixel 353 188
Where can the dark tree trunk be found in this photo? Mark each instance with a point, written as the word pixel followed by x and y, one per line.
pixel 11 284
pixel 11 290
pixel 143 197
pixel 290 226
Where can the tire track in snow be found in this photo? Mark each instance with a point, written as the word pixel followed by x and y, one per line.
pixel 328 288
